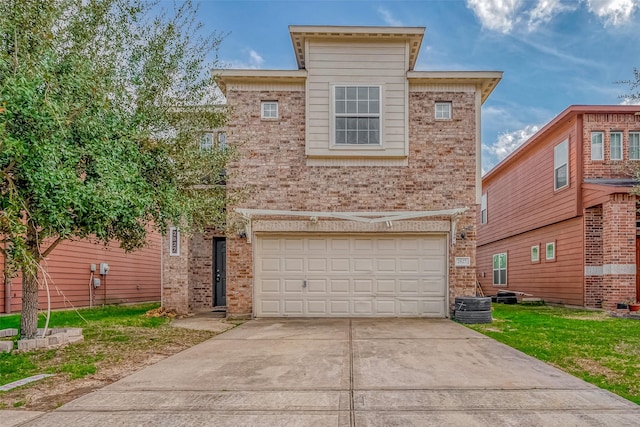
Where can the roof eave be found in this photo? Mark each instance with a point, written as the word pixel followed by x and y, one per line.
pixel 486 81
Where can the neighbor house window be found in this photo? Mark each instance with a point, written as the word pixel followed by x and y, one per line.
pixel 357 115
pixel 615 145
pixel 483 209
pixel 443 110
pixel 535 253
pixel 597 151
pixel 500 269
pixel 634 145
pixel 561 165
pixel 206 142
pixel 269 110
pixel 551 251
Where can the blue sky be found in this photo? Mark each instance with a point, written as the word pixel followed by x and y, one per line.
pixel 554 53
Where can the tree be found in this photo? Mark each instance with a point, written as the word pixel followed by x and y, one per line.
pixel 102 106
pixel 633 97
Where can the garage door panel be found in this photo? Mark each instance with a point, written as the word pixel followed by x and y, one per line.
pixel 269 286
pixel 317 286
pixel 351 276
pixel 339 285
pixel 361 286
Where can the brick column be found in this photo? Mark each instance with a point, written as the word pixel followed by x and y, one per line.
pixel 175 277
pixel 239 278
pixel 593 257
pixel 618 250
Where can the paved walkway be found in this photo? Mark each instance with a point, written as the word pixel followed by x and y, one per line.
pixel 341 372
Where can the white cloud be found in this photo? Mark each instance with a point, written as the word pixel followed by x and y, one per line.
pixel 388 18
pixel 496 15
pixel 506 16
pixel 253 61
pixel 508 142
pixel 545 11
pixel 614 12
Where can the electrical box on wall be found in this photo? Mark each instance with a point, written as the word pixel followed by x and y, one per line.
pixel 104 268
pixel 96 282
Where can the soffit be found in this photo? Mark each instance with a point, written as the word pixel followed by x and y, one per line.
pixel 485 81
pixel 412 35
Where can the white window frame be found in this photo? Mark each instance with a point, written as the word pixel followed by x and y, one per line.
pixel 206 142
pixel 338 114
pixel 560 159
pixel 597 139
pixel 535 253
pixel 269 110
pixel 619 145
pixel 443 110
pixel 483 209
pixel 502 281
pixel 550 246
pixel 634 145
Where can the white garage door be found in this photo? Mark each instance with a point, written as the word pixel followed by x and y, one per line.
pixel 350 276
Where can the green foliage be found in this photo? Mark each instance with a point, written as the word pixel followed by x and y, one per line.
pixel 602 350
pixel 102 107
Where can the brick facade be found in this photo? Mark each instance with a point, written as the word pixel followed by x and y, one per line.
pixel 593 294
pixel 440 175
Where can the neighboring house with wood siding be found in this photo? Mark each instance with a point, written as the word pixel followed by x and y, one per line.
pixel 363 180
pixel 558 219
pixel 131 277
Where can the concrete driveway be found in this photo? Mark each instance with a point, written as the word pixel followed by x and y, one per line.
pixel 348 372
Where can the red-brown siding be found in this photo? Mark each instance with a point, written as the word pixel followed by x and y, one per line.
pixel 522 197
pixel 132 277
pixel 558 281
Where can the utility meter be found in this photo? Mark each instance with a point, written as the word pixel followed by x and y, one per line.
pixel 104 268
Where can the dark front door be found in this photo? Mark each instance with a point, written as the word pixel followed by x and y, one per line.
pixel 219 272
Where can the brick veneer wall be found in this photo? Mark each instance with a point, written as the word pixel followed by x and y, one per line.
pixel 607 123
pixel 593 256
pixel 175 279
pixel 201 270
pixel 440 175
pixel 619 249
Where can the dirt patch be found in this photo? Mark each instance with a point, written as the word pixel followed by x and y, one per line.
pixel 596 369
pixel 129 350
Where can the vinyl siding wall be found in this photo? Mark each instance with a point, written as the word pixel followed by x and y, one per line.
pixel 337 63
pixel 521 197
pixel 132 277
pixel 559 281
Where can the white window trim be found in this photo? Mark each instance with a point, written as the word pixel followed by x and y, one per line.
pixel 558 166
pixel 449 110
pixel 484 218
pixel 535 253
pixel 601 134
pixel 263 104
pixel 333 115
pixel 611 145
pixel 551 245
pixel 635 135
pixel 506 270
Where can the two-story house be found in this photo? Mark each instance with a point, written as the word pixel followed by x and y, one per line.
pixel 362 179
pixel 558 216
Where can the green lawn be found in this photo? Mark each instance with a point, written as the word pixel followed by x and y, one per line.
pixel 602 350
pixel 114 336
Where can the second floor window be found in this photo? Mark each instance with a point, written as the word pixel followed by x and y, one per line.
pixel 615 147
pixel 597 146
pixel 634 145
pixel 483 209
pixel 443 110
pixel 357 115
pixel 269 110
pixel 561 165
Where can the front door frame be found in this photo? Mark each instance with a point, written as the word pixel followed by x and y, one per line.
pixel 219 272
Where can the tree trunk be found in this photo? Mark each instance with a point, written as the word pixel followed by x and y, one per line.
pixel 29 315
pixel 29 268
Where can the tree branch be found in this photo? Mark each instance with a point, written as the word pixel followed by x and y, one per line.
pixel 51 247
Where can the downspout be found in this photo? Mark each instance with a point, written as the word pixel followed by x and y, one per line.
pixel 7 292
